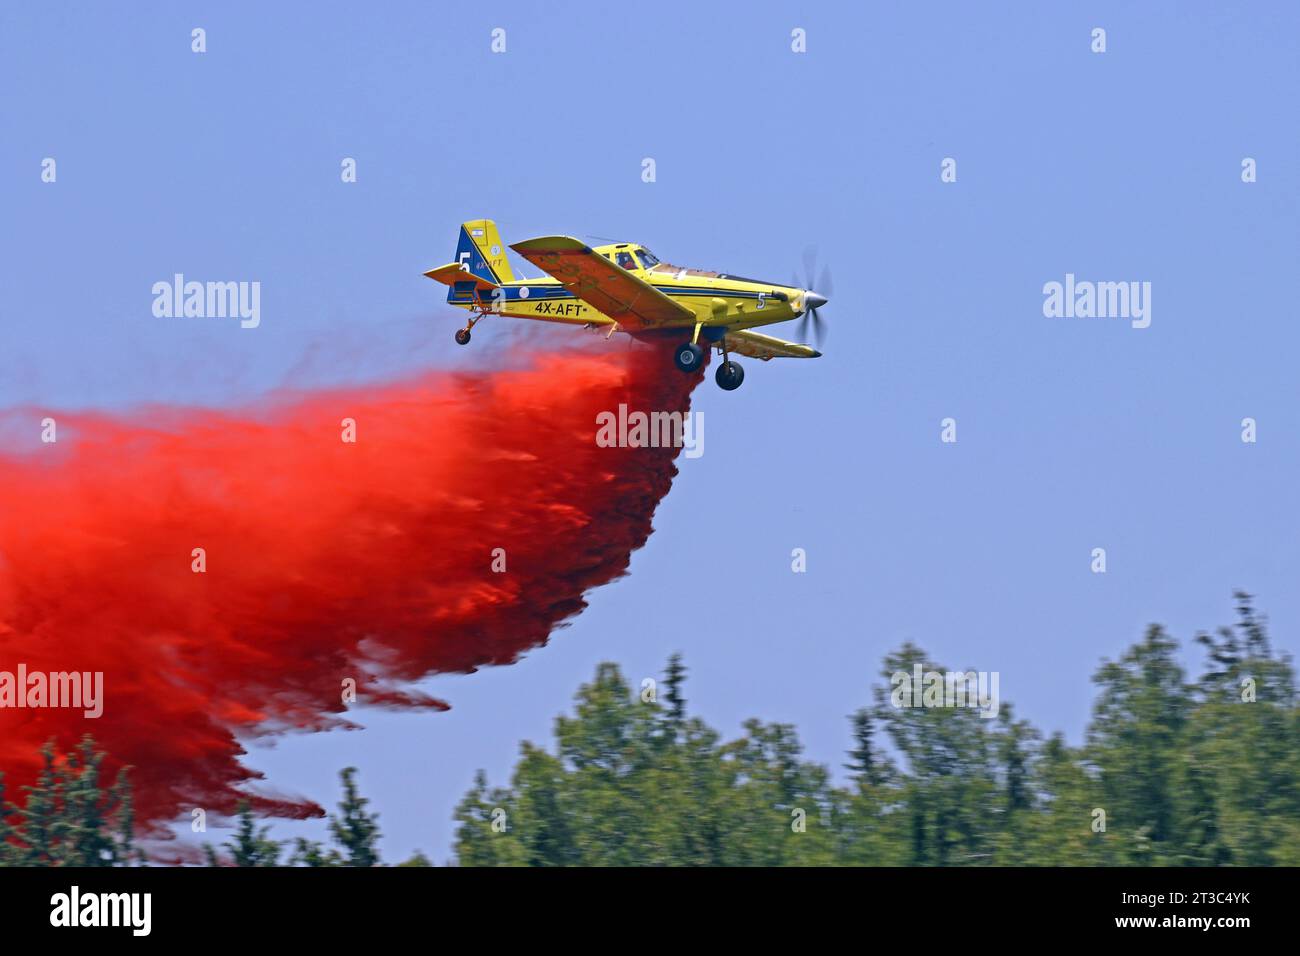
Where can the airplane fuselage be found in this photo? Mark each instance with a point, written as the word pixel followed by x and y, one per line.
pixel 624 287
pixel 712 298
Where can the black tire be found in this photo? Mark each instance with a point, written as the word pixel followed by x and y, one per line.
pixel 729 376
pixel 462 336
pixel 688 357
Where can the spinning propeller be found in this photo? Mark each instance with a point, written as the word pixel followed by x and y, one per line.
pixel 812 301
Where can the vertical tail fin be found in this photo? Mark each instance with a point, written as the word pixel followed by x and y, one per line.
pixel 481 251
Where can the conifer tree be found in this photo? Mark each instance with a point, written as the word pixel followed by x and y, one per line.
pixel 355 830
pixel 251 846
pixel 673 681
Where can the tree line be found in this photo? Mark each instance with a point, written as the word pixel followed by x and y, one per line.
pixel 69 818
pixel 1173 770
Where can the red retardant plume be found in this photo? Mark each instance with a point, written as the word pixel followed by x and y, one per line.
pixel 325 559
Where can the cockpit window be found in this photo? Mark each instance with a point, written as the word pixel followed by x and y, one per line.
pixel 626 261
pixel 648 259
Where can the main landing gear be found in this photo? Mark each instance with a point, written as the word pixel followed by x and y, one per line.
pixel 689 356
pixel 729 376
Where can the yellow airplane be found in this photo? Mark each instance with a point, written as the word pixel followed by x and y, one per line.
pixel 623 287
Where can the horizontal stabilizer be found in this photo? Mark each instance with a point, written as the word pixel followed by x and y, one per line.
pixel 455 275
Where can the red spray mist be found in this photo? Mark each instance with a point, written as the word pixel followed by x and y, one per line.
pixel 325 559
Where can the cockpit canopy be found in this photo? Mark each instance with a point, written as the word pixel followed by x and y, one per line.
pixel 629 256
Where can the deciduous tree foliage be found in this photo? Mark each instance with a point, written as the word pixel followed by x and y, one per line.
pixel 1172 772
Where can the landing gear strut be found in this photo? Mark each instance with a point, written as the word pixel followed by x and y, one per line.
pixel 689 356
pixel 462 335
pixel 729 376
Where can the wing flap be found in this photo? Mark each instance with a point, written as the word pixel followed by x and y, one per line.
pixel 765 347
pixel 632 303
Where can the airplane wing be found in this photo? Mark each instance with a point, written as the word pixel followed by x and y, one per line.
pixel 746 342
pixel 633 304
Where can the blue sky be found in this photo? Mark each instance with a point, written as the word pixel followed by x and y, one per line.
pixel 1072 433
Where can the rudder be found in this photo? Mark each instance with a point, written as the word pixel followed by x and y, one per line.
pixel 481 251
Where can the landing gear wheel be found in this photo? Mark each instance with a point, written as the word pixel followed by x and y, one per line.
pixel 729 376
pixel 462 336
pixel 688 357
